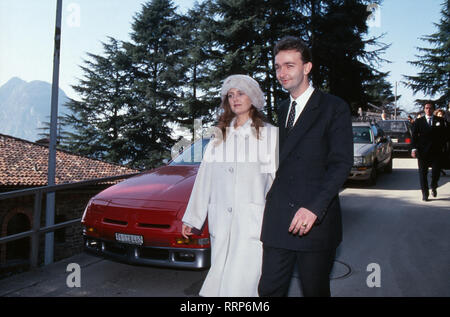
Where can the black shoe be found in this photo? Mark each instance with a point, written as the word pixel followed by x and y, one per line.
pixel 425 196
pixel 434 192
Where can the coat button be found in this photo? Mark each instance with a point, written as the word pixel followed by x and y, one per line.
pixel 231 170
pixel 230 209
pixel 291 205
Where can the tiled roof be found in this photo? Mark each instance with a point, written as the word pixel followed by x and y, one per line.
pixel 24 163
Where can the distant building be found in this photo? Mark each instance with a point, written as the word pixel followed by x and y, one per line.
pixel 23 164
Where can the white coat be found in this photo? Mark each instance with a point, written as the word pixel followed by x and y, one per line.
pixel 230 188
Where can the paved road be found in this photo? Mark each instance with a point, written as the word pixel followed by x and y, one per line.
pixel 391 226
pixel 386 226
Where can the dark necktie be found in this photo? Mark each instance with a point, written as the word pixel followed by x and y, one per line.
pixel 429 121
pixel 291 117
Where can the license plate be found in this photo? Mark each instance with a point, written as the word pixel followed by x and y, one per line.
pixel 130 238
pixel 395 140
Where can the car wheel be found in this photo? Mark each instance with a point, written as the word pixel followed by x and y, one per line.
pixel 388 167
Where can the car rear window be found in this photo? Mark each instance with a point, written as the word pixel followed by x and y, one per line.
pixel 361 135
pixel 393 126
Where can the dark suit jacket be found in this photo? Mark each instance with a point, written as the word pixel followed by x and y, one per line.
pixel 429 141
pixel 314 161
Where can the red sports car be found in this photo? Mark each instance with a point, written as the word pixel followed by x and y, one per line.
pixel 139 219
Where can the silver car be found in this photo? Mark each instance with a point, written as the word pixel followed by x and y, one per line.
pixel 372 152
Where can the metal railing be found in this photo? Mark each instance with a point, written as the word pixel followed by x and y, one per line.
pixel 36 229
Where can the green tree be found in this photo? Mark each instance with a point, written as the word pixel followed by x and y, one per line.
pixel 244 33
pixel 171 71
pixel 379 92
pixel 98 118
pixel 434 63
pixel 198 100
pixel 345 63
pixel 158 76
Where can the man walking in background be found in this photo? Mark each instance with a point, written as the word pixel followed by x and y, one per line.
pixel 428 140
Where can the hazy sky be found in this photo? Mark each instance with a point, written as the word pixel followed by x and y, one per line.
pixel 27 32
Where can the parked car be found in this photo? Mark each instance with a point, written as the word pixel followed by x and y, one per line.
pixel 400 132
pixel 138 220
pixel 372 152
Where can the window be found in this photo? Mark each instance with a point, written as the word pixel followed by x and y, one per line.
pixel 361 135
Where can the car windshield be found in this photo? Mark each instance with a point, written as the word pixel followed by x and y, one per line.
pixel 192 155
pixel 361 135
pixel 393 126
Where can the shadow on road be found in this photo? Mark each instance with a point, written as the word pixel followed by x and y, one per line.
pixel 399 179
pixel 407 238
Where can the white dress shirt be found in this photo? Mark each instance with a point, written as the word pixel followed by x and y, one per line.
pixel 301 103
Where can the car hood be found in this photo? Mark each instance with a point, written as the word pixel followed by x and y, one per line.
pixel 362 149
pixel 165 184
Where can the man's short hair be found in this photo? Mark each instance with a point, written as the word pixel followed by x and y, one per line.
pixel 296 44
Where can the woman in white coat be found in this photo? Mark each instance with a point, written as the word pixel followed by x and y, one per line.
pixel 236 172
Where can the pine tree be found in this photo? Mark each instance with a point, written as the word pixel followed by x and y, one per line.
pixel 246 31
pixel 434 63
pixel 343 63
pixel 158 78
pixel 98 118
pixel 379 92
pixel 198 100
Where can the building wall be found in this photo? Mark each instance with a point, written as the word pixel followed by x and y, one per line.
pixel 69 205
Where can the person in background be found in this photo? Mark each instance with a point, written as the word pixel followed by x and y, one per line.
pixel 428 140
pixel 234 177
pixel 439 113
pixel 445 159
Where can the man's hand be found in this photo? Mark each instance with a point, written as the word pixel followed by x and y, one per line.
pixel 302 222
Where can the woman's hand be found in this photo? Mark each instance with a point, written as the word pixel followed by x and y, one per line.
pixel 186 231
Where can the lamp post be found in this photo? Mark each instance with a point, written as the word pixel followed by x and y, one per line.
pixel 395 105
pixel 50 202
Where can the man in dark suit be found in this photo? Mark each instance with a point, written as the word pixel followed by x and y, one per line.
pixel 302 217
pixel 428 140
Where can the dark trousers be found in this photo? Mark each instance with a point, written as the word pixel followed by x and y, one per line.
pixel 314 269
pixel 424 164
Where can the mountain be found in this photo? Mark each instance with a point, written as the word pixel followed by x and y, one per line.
pixel 25 106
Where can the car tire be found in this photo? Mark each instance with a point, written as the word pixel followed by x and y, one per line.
pixel 372 181
pixel 388 167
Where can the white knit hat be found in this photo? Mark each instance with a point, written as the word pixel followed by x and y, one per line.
pixel 247 85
